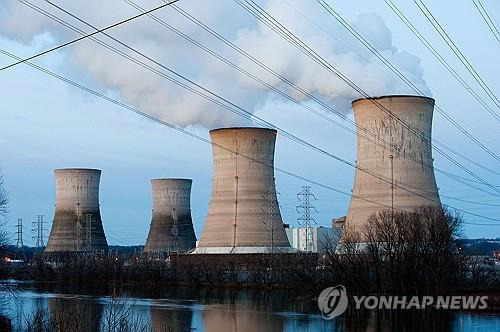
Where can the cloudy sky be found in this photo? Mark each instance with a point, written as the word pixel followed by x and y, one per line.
pixel 48 124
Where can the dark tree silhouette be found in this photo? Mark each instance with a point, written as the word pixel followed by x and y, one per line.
pixel 4 322
pixel 4 200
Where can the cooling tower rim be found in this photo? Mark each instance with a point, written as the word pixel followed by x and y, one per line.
pixel 76 169
pixel 430 99
pixel 171 179
pixel 244 128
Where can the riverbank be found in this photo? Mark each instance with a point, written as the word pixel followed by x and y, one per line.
pixel 308 273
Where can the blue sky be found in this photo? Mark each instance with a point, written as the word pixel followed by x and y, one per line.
pixel 47 124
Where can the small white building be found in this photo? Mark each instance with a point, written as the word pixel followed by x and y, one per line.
pixel 312 239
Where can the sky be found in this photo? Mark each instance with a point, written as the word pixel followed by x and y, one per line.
pixel 47 124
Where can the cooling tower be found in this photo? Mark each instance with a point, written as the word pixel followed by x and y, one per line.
pixel 77 222
pixel 243 215
pixel 408 165
pixel 171 225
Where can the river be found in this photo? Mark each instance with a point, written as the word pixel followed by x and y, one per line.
pixel 214 310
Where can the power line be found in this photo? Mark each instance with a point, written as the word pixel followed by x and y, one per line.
pixel 454 73
pixel 437 107
pixel 205 140
pixel 233 107
pixel 205 89
pixel 328 108
pixel 468 201
pixel 401 76
pixel 183 131
pixel 381 178
pixel 255 10
pixel 86 36
pixel 436 54
pixel 487 19
pixel 458 53
pixel 313 97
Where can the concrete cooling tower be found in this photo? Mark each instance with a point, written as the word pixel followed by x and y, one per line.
pixel 171 225
pixel 243 215
pixel 407 165
pixel 77 222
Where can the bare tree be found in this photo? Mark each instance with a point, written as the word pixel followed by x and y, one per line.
pixel 4 200
pixel 414 252
pixel 401 253
pixel 4 322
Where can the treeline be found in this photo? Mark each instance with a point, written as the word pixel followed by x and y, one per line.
pixel 405 253
pixel 397 253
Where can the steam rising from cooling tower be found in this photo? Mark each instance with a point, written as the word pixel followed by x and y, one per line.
pixel 243 215
pixel 171 225
pixel 408 165
pixel 77 222
pixel 151 92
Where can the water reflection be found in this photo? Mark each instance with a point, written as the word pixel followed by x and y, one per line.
pixel 384 320
pixel 239 318
pixel 168 319
pixel 188 309
pixel 77 314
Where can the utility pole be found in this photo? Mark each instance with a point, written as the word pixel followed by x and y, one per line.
pixel 304 209
pixel 19 233
pixel 38 230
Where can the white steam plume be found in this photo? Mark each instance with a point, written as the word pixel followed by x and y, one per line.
pixel 155 95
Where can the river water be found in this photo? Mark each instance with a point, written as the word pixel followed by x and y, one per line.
pixel 215 310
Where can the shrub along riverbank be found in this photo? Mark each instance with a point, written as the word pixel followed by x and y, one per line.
pixel 401 254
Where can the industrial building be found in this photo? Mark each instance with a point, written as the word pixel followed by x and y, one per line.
pixel 171 228
pixel 394 170
pixel 312 239
pixel 243 215
pixel 77 224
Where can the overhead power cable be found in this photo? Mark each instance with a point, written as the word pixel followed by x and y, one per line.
pixel 89 35
pixel 262 65
pixel 278 128
pixel 282 31
pixel 436 54
pixel 361 130
pixel 182 130
pixel 251 117
pixel 205 140
pixel 487 19
pixel 458 53
pixel 312 97
pixel 336 15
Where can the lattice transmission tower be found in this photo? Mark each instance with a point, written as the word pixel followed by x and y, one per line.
pixel 305 208
pixel 38 231
pixel 19 233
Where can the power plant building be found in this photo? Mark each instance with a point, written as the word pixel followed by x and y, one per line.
pixel 394 169
pixel 312 239
pixel 77 224
pixel 171 227
pixel 243 215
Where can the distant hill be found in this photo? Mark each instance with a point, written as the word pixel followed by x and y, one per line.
pixel 479 246
pixel 26 253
